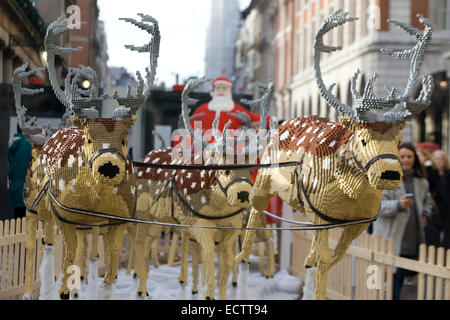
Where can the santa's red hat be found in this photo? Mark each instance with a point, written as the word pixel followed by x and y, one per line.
pixel 221 80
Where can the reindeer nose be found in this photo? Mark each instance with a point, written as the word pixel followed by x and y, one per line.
pixel 109 170
pixel 243 196
pixel 390 175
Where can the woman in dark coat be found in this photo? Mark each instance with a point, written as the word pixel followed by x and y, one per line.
pixel 442 193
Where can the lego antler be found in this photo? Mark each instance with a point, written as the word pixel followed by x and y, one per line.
pixel 416 56
pixel 29 128
pixel 393 107
pixel 71 97
pixel 54 31
pixel 137 93
pixel 186 101
pixel 329 24
pixel 220 143
pixel 263 102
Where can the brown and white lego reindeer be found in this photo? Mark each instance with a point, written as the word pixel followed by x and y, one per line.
pixel 205 198
pixel 88 174
pixel 342 167
pixel 33 189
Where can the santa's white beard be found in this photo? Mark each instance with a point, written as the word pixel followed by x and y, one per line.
pixel 221 103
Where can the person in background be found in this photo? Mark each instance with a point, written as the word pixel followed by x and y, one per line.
pixel 404 211
pixel 442 194
pixel 19 157
pixel 434 226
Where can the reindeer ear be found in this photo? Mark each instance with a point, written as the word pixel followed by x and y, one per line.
pixel 79 123
pixel 349 123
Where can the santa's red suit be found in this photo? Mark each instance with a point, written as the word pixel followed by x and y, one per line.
pixel 209 115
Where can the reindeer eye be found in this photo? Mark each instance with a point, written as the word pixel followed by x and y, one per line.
pixel 89 140
pixel 364 143
pixel 227 172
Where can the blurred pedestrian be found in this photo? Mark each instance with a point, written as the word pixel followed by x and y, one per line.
pixel 404 211
pixel 442 196
pixel 434 226
pixel 19 157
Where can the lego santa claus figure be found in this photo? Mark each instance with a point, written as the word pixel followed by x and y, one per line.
pixel 223 106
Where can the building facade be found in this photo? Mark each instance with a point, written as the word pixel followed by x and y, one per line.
pixel 297 22
pixel 50 10
pixel 22 33
pixel 254 51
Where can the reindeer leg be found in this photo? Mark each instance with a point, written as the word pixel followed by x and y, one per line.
pixel 261 255
pixel 195 252
pixel 31 226
pixel 235 265
pixel 311 259
pixel 244 255
pixel 131 260
pixel 154 248
pixel 92 272
pixel 142 263
pixel 205 238
pixel 182 279
pixel 270 252
pixel 106 247
pixel 220 259
pixel 69 236
pixel 259 199
pixel 227 243
pixel 49 233
pixel 80 257
pixel 83 253
pixel 349 234
pixel 151 244
pixel 94 248
pixel 114 237
pixel 323 264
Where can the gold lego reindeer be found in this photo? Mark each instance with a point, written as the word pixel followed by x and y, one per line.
pixel 206 198
pixel 33 189
pixel 87 172
pixel 342 167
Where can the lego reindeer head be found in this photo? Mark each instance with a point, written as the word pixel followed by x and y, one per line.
pixel 104 149
pixel 377 123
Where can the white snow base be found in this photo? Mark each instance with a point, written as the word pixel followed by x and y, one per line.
pixel 244 293
pixel 47 275
pixel 107 292
pixel 92 287
pixel 182 294
pixel 309 290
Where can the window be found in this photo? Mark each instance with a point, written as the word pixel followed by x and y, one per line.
pixel 441 14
